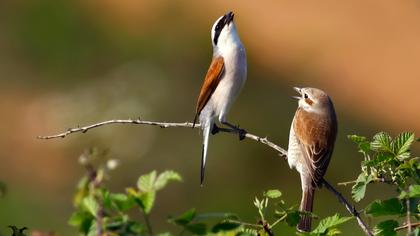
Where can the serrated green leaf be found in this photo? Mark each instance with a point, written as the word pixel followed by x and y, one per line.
pixel 386 228
pixel 224 226
pixel 381 142
pixel 330 222
pixel 197 228
pixel 402 143
pixel 359 189
pixel 272 193
pixel 185 218
pixel 391 206
pixel 165 177
pixel 146 182
pixel 89 203
pixel 146 200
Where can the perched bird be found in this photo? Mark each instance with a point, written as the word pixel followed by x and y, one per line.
pixel 223 81
pixel 311 143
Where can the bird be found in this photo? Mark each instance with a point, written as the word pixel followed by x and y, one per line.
pixel 311 144
pixel 223 82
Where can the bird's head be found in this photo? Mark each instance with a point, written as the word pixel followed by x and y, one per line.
pixel 313 100
pixel 223 32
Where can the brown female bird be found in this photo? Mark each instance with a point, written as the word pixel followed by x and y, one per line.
pixel 311 143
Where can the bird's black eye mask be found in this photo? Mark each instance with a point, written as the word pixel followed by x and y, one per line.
pixel 226 19
pixel 218 29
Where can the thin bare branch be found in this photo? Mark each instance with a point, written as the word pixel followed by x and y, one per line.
pixel 281 151
pixel 350 208
pixel 377 180
pixel 412 225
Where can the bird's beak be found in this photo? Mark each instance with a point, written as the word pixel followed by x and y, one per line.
pixel 229 17
pixel 297 90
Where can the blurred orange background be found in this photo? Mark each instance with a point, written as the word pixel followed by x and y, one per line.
pixel 69 63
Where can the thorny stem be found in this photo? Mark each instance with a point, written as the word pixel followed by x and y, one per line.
pixel 281 151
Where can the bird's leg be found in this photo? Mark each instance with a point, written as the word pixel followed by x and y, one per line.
pixel 240 131
pixel 215 129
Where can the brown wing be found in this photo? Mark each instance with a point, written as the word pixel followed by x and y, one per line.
pixel 211 81
pixel 316 135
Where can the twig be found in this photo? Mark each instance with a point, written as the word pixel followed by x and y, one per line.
pixel 243 223
pixel 282 152
pixel 349 207
pixel 84 129
pixel 412 225
pixel 377 180
pixel 407 202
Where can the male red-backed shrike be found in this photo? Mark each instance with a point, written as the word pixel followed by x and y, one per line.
pixel 311 143
pixel 223 82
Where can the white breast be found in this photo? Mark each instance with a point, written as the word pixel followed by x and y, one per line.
pixel 294 151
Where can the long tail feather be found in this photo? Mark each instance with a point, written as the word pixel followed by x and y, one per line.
pixel 206 135
pixel 306 205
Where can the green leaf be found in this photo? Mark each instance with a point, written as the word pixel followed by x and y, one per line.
pixel 272 193
pixel 330 223
pixel 386 228
pixel 391 206
pixel 82 220
pixel 146 201
pixel 197 228
pixel 356 138
pixel 224 226
pixel 292 218
pixel 359 189
pixel 402 143
pixel 185 218
pixel 413 192
pixel 165 177
pixel 121 201
pixel 146 182
pixel 90 204
pixel 381 142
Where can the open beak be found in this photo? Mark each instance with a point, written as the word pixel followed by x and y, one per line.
pixel 229 17
pixel 299 91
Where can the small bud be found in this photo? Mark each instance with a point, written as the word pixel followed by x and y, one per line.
pixel 112 164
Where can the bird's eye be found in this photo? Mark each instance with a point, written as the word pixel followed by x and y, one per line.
pixel 305 96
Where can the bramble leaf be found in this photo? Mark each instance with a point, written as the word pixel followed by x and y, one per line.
pixel 402 143
pixel 386 228
pixel 391 206
pixel 165 177
pixel 146 182
pixel 359 189
pixel 329 224
pixel 381 142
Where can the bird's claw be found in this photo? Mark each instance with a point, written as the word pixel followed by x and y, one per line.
pixel 242 134
pixel 215 129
